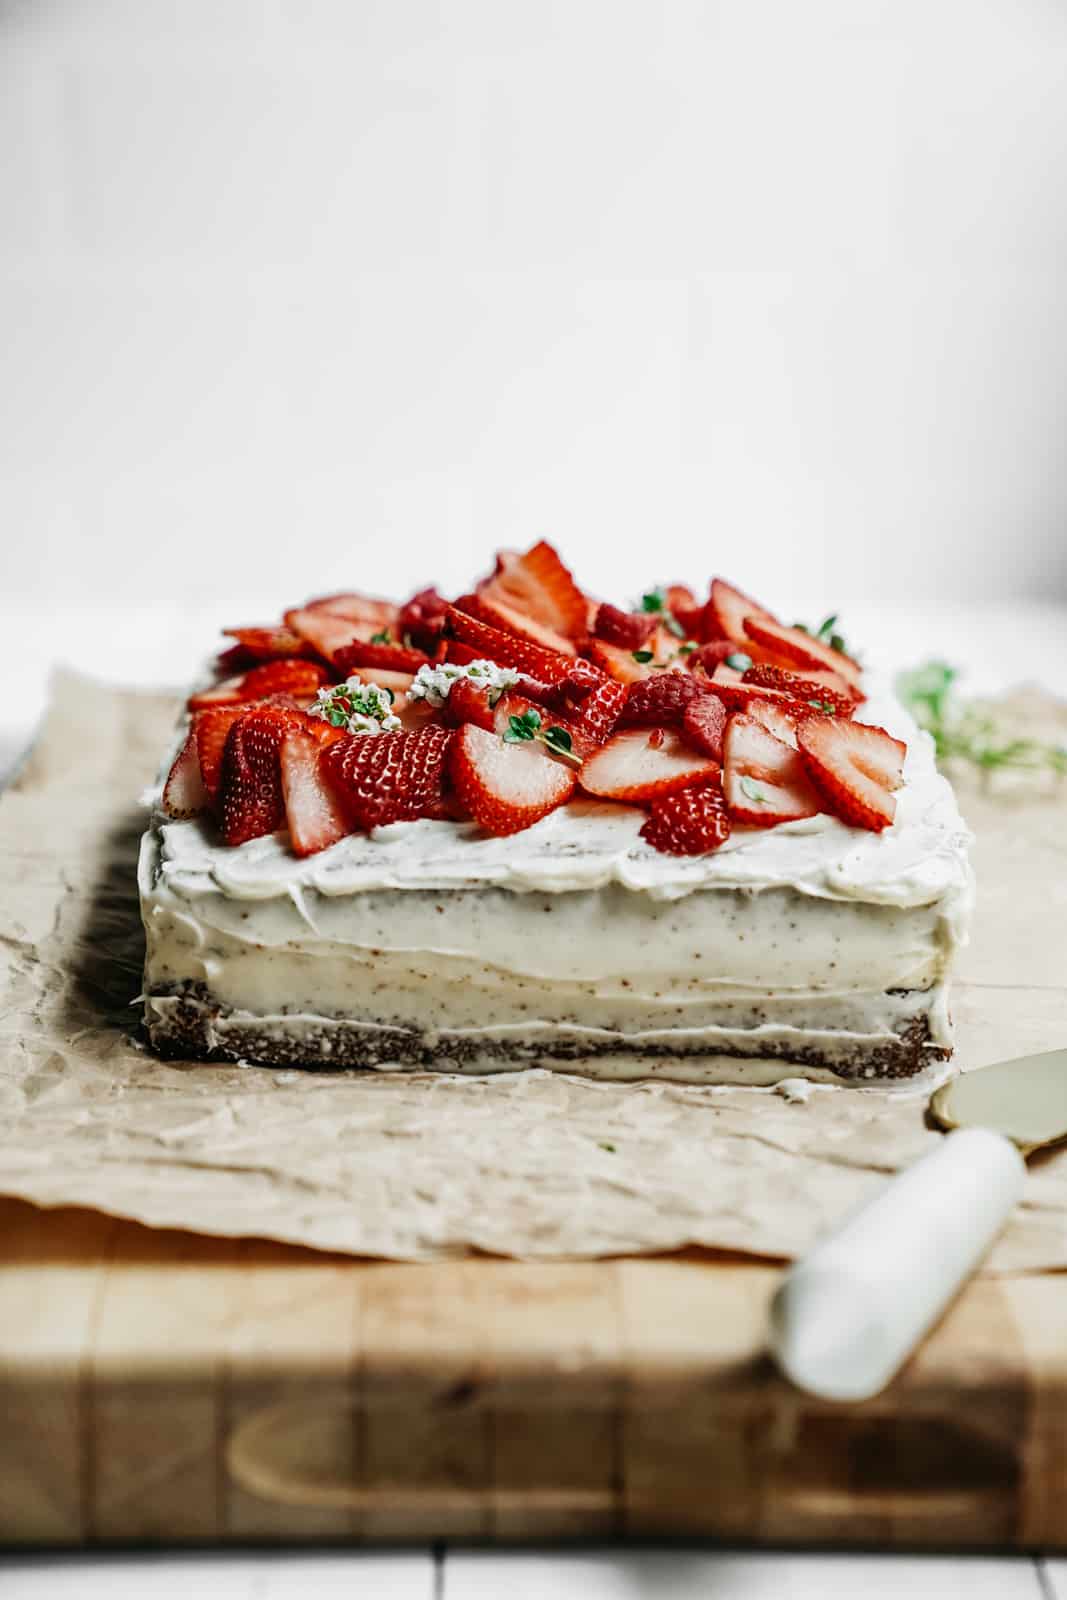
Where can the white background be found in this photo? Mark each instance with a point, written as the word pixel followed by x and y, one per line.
pixel 304 293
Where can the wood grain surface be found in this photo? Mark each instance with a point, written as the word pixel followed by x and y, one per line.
pixel 158 1386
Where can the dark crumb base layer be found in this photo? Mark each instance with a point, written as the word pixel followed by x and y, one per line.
pixel 189 1031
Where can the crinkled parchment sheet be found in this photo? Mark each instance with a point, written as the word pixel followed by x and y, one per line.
pixel 534 1163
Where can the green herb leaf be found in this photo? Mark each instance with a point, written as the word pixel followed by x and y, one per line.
pixel 739 661
pixel 674 626
pixel 604 1144
pixel 521 727
pixel 654 600
pixel 558 739
pixel 381 638
pixel 824 706
pixel 687 648
pixel 643 656
pixel 827 632
pixel 753 790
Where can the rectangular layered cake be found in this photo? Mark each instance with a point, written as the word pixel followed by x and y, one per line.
pixel 685 841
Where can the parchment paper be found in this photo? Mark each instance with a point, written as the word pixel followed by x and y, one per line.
pixel 534 1163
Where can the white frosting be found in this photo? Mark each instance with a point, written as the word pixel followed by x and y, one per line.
pixel 579 927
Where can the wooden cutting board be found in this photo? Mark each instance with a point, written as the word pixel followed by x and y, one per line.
pixel 164 1387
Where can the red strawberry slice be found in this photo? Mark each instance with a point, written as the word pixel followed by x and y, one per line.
pixel 728 610
pixel 211 728
pixel 619 663
pixel 507 649
pixel 398 683
pixel 777 720
pixel 468 702
pixel 539 586
pixel 225 693
pixel 250 784
pixel 833 680
pixel 689 823
pixel 659 700
pixel 627 629
pixel 582 678
pixel 301 679
pixel 712 655
pixel 704 725
pixel 461 654
pixel 765 781
pixel 794 645
pixel 497 614
pixel 326 634
pixel 806 692
pixel 357 608
pixel 598 714
pixel 313 812
pixel 506 787
pixel 855 767
pixel 184 794
pixel 265 644
pixel 381 778
pixel 686 610
pixel 641 764
pixel 394 658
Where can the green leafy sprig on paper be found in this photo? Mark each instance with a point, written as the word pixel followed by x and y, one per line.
pixel 966 731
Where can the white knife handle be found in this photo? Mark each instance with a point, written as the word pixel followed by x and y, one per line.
pixel 848 1315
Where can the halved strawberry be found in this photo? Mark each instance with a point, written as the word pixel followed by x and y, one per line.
pixel 776 719
pixel 704 725
pixel 712 655
pixel 538 585
pixel 184 793
pixel 806 691
pixel 855 767
pixel 468 702
pixel 382 778
pixel 582 678
pixel 210 728
pixel 326 633
pixel 312 810
pixel 397 683
pixel 506 787
pixel 794 645
pixel 686 610
pixel 763 779
pixel 422 619
pixel 618 663
pixel 225 693
pixel 641 764
pixel 659 700
pixel 627 629
pixel 599 712
pixel 507 649
pixel 392 657
pixel 459 653
pixel 301 679
pixel 727 611
pixel 357 608
pixel 825 679
pixel 250 786
pixel 267 644
pixel 690 822
pixel 498 614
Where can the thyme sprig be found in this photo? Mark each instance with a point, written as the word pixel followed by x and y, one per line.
pixel 967 731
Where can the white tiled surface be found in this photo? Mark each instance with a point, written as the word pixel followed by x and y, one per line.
pixel 292 287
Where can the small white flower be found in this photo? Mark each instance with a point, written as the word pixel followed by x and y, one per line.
pixel 433 683
pixel 357 707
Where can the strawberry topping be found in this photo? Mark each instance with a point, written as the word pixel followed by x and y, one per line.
pixel 358 608
pixel 764 780
pixel 727 612
pixel 184 794
pixel 540 587
pixel 506 787
pixel 312 810
pixel 690 822
pixel 794 645
pixel 265 644
pixel 659 700
pixel 391 657
pixel 628 629
pixel 468 702
pixel 599 712
pixel 807 692
pixel 498 614
pixel 250 785
pixel 855 767
pixel 388 777
pixel 507 649
pixel 422 620
pixel 704 725
pixel 641 764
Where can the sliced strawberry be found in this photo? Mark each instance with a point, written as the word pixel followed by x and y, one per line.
pixel 764 780
pixel 627 629
pixel 777 720
pixel 686 610
pixel 712 655
pixel 422 619
pixel 727 611
pixel 184 793
pixel 582 678
pixel 327 634
pixel 461 654
pixel 618 663
pixel 825 679
pixel 659 700
pixel 539 586
pixel 599 712
pixel 794 645
pixel 498 614
pixel 397 683
pixel 641 764
pixel 312 810
pixel 226 693
pixel 263 644
pixel 468 702
pixel 690 822
pixel 357 608
pixel 211 727
pixel 507 649
pixel 811 695
pixel 855 767
pixel 506 787
pixel 381 778
pixel 250 785
pixel 392 657
pixel 301 679
pixel 704 724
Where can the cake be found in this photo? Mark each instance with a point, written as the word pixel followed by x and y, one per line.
pixel 529 828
